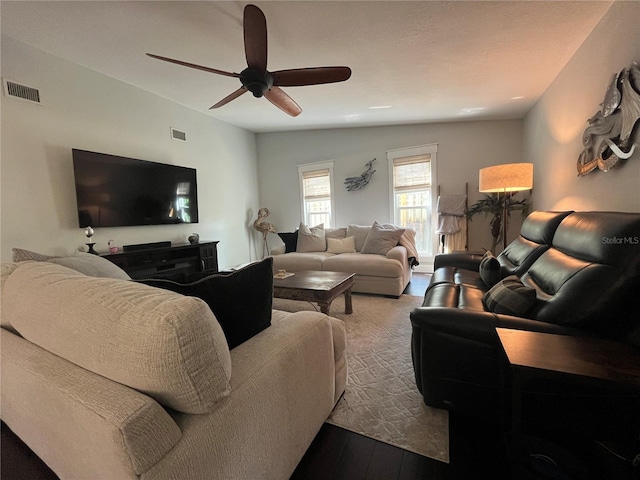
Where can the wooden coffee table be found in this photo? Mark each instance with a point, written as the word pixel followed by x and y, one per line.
pixel 316 286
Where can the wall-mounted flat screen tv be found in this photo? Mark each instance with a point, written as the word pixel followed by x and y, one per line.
pixel 113 191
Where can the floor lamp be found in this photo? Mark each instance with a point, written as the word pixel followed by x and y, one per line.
pixel 508 177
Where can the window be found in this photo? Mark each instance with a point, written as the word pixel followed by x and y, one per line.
pixel 411 175
pixel 316 187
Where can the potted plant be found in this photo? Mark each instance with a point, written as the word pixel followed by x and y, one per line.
pixel 494 204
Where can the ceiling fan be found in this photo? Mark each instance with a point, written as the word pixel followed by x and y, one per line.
pixel 257 79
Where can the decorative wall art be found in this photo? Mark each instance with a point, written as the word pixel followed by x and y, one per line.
pixel 611 134
pixel 357 183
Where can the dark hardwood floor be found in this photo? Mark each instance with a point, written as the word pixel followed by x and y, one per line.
pixel 335 454
pixel 418 284
pixel 476 451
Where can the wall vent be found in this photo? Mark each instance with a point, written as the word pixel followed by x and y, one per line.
pixel 178 135
pixel 14 89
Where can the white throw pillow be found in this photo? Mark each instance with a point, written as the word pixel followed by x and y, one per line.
pixel 87 263
pixel 341 245
pixel 380 239
pixel 311 239
pixel 92 265
pixel 359 232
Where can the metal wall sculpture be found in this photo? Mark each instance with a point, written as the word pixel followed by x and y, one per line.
pixel 611 135
pixel 357 183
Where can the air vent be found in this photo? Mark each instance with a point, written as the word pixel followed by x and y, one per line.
pixel 178 135
pixel 14 89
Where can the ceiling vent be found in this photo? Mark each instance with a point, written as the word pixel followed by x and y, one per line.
pixel 178 135
pixel 23 92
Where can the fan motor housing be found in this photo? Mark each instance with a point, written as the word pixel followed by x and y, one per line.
pixel 255 81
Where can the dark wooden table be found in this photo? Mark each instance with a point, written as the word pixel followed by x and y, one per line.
pixel 316 286
pixel 546 355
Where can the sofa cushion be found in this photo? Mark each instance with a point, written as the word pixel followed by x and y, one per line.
pixel 290 240
pixel 335 232
pixel 160 343
pixel 509 296
pixel 360 233
pixel 489 269
pixel 294 261
pixel 87 263
pixel 341 245
pixel 241 300
pixel 536 234
pixel 363 264
pixel 381 239
pixel 311 239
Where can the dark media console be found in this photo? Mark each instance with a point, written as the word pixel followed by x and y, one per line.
pixel 161 259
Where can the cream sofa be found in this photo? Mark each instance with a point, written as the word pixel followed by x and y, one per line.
pixel 384 274
pixel 107 378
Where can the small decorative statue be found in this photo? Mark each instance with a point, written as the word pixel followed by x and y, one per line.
pixel 194 238
pixel 265 228
pixel 357 183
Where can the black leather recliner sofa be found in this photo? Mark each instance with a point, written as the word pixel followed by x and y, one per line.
pixel 585 269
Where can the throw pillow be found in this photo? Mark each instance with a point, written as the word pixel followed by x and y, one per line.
pixel 21 255
pixel 489 269
pixel 335 232
pixel 311 239
pixel 380 239
pixel 359 232
pixel 341 245
pixel 87 263
pixel 510 296
pixel 241 300
pixel 92 265
pixel 290 240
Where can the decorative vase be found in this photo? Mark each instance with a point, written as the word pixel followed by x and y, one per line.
pixel 194 238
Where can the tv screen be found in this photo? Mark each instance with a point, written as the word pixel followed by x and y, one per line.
pixel 113 191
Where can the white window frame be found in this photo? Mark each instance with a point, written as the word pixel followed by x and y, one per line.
pixel 310 167
pixel 425 258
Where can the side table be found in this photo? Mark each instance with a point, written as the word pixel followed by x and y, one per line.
pixel 557 357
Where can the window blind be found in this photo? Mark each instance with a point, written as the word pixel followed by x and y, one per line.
pixel 412 172
pixel 316 184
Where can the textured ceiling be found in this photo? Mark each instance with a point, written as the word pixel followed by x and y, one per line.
pixel 423 61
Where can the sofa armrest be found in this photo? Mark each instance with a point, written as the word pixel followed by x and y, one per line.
pixel 468 261
pixel 399 253
pixel 479 326
pixel 79 423
pixel 280 250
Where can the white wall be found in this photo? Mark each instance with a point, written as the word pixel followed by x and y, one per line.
pixel 86 110
pixel 554 127
pixel 463 148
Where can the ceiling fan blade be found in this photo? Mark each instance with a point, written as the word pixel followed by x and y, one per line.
pixel 193 65
pixel 283 101
pixel 229 97
pixel 310 76
pixel 255 38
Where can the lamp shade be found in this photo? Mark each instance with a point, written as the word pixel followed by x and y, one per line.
pixel 509 177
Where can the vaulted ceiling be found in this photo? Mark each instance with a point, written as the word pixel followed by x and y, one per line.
pixel 412 62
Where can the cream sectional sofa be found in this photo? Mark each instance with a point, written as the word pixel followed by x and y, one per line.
pixel 108 378
pixel 378 273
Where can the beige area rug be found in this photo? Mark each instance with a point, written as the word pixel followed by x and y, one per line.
pixel 381 400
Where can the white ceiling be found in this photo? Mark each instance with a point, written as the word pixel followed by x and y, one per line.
pixel 425 61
